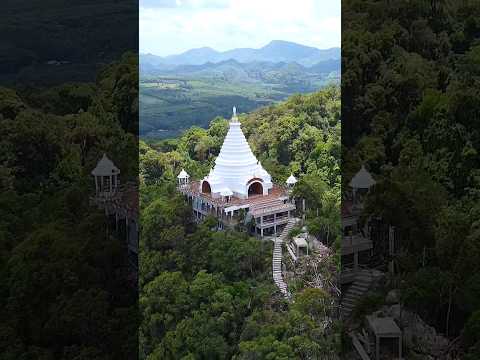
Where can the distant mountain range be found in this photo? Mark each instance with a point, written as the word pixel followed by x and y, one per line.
pixel 234 71
pixel 192 88
pixel 276 51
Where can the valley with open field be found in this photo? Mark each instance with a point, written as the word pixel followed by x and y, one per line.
pixel 177 93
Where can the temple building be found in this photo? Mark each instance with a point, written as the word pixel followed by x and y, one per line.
pixel 239 190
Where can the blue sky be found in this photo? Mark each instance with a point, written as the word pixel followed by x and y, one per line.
pixel 173 26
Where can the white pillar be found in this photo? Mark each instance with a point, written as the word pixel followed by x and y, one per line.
pixel 96 185
pixel 303 214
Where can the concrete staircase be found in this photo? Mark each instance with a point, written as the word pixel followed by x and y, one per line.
pixel 277 259
pixel 359 287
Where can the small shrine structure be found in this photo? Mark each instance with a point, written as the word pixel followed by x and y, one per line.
pixel 357 244
pixel 120 203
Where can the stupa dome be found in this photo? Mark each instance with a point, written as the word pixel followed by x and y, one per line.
pixel 236 166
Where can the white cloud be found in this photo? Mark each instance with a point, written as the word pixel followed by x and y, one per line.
pixel 171 28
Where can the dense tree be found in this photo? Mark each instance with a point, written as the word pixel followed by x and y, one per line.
pixel 225 304
pixel 64 287
pixel 411 114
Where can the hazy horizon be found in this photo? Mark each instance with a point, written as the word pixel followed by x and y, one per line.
pixel 201 47
pixel 171 27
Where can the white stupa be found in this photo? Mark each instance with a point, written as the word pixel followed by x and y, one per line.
pixel 362 179
pixel 237 171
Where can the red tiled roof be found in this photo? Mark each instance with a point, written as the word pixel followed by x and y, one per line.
pixel 276 192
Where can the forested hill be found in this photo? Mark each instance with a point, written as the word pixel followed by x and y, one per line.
pixel 191 89
pixel 64 279
pixel 209 294
pixel 50 42
pixel 299 136
pixel 411 84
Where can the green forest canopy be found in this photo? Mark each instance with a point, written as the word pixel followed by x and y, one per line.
pixel 209 295
pixel 411 112
pixel 64 284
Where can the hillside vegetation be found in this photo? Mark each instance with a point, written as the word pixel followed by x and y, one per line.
pixel 182 91
pixel 64 279
pixel 210 295
pixel 411 84
pixel 78 36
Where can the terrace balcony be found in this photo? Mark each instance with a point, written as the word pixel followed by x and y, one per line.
pixel 276 220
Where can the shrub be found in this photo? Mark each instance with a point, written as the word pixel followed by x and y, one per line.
pixel 367 305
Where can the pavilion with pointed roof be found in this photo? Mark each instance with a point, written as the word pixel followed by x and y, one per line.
pixel 238 188
pixel 357 244
pixel 106 176
pixel 183 178
pixel 119 202
pixel 362 179
pixel 291 181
